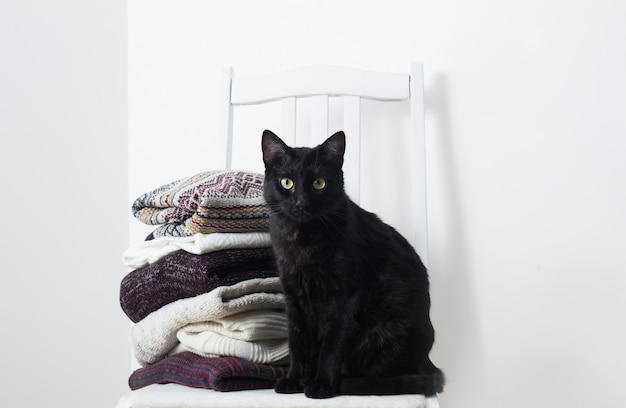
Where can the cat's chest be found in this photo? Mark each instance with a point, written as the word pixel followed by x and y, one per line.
pixel 299 250
pixel 297 240
pixel 295 251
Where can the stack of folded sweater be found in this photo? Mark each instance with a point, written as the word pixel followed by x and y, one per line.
pixel 203 292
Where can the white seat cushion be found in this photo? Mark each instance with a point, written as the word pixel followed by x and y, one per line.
pixel 178 396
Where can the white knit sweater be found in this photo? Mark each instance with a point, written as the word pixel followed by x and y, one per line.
pixel 147 252
pixel 155 335
pixel 259 336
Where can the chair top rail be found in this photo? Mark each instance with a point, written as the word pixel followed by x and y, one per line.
pixel 316 80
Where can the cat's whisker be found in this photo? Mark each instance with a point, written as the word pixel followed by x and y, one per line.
pixel 330 225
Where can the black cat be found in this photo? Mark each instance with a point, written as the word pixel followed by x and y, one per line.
pixel 357 293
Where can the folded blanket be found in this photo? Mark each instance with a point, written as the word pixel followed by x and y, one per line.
pixel 155 335
pixel 220 374
pixel 147 252
pixel 180 275
pixel 214 201
pixel 259 336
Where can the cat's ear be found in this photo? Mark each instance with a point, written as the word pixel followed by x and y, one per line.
pixel 273 147
pixel 335 147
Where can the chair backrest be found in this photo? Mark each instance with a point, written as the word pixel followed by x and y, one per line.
pixel 322 82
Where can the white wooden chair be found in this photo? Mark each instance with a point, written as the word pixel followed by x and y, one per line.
pixel 317 84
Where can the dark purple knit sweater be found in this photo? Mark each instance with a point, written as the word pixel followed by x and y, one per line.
pixel 220 374
pixel 181 274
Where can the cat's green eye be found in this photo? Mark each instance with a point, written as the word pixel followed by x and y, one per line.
pixel 286 183
pixel 319 183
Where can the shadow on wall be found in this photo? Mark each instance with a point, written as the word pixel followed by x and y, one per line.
pixel 458 345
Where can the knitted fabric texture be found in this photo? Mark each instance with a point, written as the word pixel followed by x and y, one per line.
pixel 155 335
pixel 147 252
pixel 209 344
pixel 181 274
pixel 248 326
pixel 214 201
pixel 259 336
pixel 220 374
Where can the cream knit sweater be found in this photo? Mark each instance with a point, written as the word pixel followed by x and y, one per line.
pixel 259 336
pixel 154 337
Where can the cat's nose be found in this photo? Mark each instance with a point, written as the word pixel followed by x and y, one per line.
pixel 301 203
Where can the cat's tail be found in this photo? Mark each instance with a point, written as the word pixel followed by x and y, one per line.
pixel 427 384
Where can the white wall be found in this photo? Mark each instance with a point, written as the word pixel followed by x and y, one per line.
pixel 526 125
pixel 63 172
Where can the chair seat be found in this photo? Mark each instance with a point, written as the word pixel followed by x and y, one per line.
pixel 177 396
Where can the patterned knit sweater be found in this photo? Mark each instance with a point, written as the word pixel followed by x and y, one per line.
pixel 214 201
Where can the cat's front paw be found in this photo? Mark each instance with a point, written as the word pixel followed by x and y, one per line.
pixel 288 386
pixel 319 390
